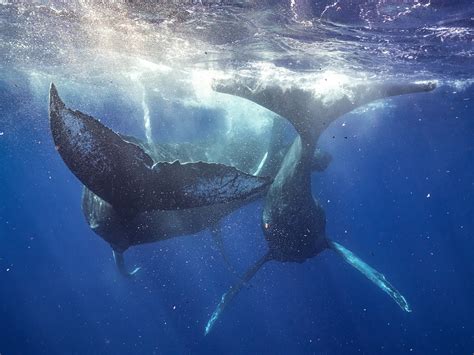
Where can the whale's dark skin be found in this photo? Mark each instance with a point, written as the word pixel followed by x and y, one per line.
pixel 130 198
pixel 123 178
pixel 151 226
pixel 293 222
pixel 122 174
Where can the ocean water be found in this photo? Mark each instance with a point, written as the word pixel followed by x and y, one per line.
pixel 399 191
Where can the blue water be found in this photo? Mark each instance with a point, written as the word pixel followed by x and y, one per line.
pixel 399 191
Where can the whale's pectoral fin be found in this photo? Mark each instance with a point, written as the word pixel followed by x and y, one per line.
pixel 122 174
pixel 216 234
pixel 234 290
pixel 373 275
pixel 120 262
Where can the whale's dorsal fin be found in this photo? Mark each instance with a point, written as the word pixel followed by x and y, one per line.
pixel 122 174
pixel 309 112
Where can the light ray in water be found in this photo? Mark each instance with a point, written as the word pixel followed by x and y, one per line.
pixel 142 69
pixel 146 117
pixel 260 166
pixel 372 274
pixel 136 77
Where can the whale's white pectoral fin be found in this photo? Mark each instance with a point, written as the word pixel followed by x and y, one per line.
pixel 119 261
pixel 372 274
pixel 233 291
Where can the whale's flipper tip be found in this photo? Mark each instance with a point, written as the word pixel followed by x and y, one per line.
pixel 137 269
pixel 213 319
pixel 120 262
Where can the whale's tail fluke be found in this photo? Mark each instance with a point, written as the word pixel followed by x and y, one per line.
pixel 312 112
pixel 120 262
pixel 373 275
pixel 124 175
pixel 234 290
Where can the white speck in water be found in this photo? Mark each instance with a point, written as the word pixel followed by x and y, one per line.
pixel 1 133
pixel 8 269
pixel 174 307
pixel 428 196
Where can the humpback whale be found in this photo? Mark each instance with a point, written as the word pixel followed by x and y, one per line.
pixel 152 226
pixel 81 139
pixel 293 222
pixel 129 198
